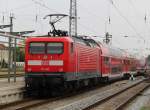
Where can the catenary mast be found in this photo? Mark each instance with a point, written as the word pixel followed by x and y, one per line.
pixel 73 18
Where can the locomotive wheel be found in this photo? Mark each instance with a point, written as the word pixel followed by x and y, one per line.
pixel 105 80
pixel 40 93
pixel 28 91
pixel 77 85
pixel 57 90
pixel 95 81
pixel 54 93
pixel 69 86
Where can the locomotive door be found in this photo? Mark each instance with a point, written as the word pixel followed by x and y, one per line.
pixel 100 63
pixel 76 61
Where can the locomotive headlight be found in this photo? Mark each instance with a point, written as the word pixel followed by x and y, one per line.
pixel 34 62
pixel 56 62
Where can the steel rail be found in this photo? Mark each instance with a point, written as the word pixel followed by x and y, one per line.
pixel 97 98
pixel 11 75
pixel 120 99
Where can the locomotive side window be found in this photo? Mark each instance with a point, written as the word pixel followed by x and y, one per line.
pixel 55 48
pixel 106 60
pixel 37 48
pixel 71 47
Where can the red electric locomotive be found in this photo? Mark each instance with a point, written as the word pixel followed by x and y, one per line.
pixel 52 61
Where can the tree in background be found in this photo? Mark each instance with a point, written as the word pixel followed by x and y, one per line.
pixel 20 54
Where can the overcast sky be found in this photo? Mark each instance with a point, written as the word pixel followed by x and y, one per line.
pixel 127 19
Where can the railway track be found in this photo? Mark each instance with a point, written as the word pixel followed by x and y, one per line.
pixel 90 102
pixel 29 103
pixel 11 75
pixel 120 99
pixel 72 100
pixel 34 102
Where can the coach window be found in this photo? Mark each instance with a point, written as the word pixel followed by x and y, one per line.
pixel 37 48
pixel 129 62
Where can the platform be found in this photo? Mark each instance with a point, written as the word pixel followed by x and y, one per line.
pixel 5 85
pixel 13 91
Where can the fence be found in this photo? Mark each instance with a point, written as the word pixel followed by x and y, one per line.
pixel 12 42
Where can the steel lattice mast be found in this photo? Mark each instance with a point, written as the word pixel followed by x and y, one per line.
pixel 73 18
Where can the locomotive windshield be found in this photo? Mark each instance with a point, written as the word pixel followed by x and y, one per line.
pixel 46 48
pixel 37 48
pixel 54 48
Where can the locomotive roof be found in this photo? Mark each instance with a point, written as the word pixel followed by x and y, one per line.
pixel 82 40
pixel 40 39
pixel 106 49
pixel 87 40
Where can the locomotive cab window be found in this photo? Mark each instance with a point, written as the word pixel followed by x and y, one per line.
pixel 55 48
pixel 37 48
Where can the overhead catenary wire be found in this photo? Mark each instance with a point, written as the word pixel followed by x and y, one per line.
pixel 17 8
pixel 44 6
pixel 135 9
pixel 128 22
pixel 92 13
pixel 87 28
pixel 106 20
pixel 144 16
